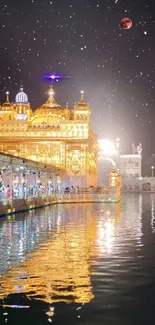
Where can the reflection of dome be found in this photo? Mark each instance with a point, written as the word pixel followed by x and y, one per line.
pixel 21 97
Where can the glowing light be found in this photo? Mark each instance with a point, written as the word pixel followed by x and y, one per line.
pixel 107 147
pixel 51 92
pixel 21 117
pixel 54 77
pixel 106 237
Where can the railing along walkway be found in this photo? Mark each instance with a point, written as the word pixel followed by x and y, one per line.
pixel 34 201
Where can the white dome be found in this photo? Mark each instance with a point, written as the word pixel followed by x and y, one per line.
pixel 21 97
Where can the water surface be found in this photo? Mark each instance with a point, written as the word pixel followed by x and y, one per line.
pixel 79 264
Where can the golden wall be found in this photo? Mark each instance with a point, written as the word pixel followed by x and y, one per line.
pixel 54 135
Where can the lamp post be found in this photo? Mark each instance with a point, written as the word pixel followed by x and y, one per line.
pixel 152 168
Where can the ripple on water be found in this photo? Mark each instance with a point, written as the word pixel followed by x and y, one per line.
pixel 95 257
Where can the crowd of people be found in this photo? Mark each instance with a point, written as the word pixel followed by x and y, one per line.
pixel 20 191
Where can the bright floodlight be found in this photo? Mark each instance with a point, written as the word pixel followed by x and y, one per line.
pixel 82 92
pixel 107 147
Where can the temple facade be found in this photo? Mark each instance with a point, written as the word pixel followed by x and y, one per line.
pixel 52 134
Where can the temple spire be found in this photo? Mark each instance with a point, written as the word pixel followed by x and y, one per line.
pixel 7 97
pixel 82 95
pixel 51 91
pixel 51 100
pixel 21 86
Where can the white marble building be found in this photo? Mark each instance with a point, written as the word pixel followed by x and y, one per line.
pixel 141 184
pixel 130 165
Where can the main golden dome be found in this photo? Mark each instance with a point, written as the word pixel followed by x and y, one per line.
pixel 49 111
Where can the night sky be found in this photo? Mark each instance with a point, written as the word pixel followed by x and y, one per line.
pixel 83 40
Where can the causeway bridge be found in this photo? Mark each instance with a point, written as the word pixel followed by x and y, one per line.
pixel 26 185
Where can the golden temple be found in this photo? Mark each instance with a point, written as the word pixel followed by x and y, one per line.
pixel 52 134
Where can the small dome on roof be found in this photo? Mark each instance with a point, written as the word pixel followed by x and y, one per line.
pixel 81 104
pixel 21 97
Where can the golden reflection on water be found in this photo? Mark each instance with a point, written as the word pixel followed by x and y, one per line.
pixel 60 269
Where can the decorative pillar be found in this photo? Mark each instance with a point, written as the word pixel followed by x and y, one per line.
pixel 49 185
pixel 11 187
pixel 15 181
pixel 113 178
pixel 38 183
pixel 24 185
pixel 1 184
pixel 119 186
pixel 46 184
pixel 113 184
pixel 1 179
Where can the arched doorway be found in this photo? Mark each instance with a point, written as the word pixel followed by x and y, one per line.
pixel 105 165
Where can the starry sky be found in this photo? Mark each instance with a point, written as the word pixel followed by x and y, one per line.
pixel 83 41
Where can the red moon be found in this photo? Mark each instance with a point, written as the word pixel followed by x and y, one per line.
pixel 126 23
